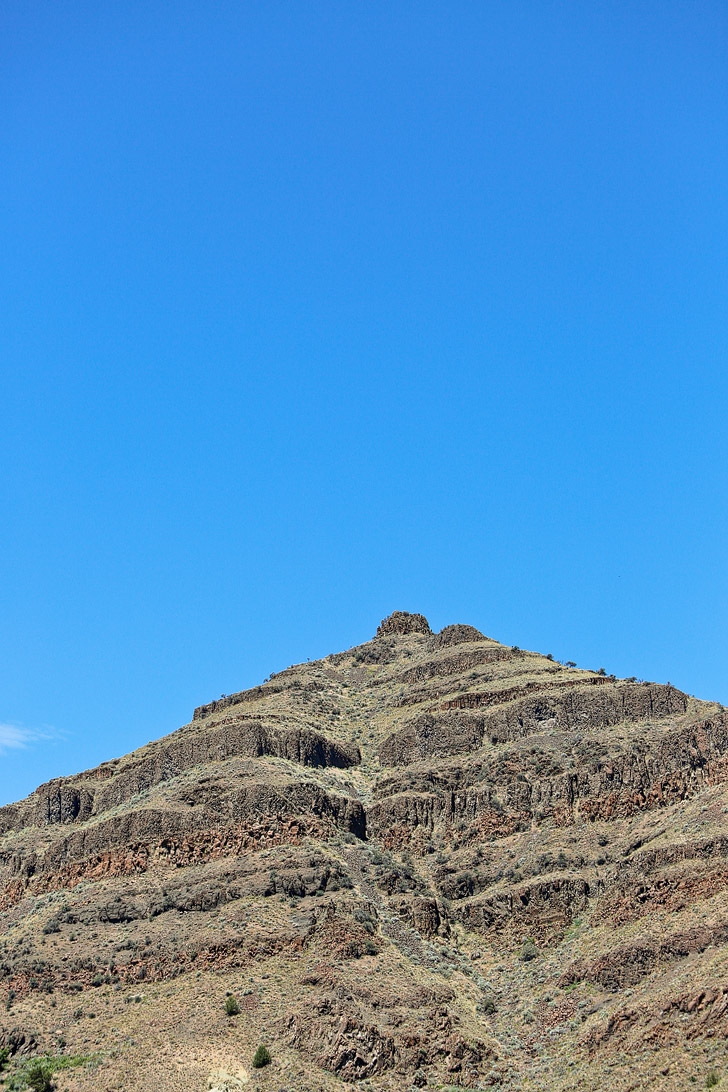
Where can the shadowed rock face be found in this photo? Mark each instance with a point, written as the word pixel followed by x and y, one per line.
pixel 72 800
pixel 430 860
pixel 570 707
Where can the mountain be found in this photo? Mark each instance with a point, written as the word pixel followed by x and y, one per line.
pixel 430 861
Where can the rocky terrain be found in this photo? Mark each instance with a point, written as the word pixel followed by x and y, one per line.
pixel 430 861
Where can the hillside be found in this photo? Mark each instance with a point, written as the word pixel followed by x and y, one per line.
pixel 430 861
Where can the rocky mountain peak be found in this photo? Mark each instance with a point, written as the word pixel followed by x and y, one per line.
pixel 400 624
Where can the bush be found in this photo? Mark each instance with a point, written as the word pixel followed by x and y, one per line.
pixel 38 1076
pixel 528 952
pixel 52 926
pixel 487 1006
pixel 232 1008
pixel 712 1079
pixel 261 1057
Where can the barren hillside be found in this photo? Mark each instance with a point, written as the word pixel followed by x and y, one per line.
pixel 430 861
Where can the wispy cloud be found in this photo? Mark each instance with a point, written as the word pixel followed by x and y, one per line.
pixel 15 737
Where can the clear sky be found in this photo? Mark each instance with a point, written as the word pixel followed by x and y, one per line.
pixel 314 311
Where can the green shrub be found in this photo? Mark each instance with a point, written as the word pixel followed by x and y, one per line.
pixel 38 1076
pixel 232 1008
pixel 712 1079
pixel 528 951
pixel 261 1057
pixel 487 1006
pixel 4 1057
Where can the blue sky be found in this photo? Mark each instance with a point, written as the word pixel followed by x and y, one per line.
pixel 316 311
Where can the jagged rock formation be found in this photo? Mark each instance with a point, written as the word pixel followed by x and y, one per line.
pixel 431 860
pixel 401 624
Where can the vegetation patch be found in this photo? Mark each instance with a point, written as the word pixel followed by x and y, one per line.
pixel 261 1057
pixel 37 1074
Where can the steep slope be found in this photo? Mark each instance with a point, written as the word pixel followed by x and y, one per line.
pixel 432 860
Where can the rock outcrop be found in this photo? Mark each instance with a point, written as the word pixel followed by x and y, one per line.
pixel 401 624
pixel 456 635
